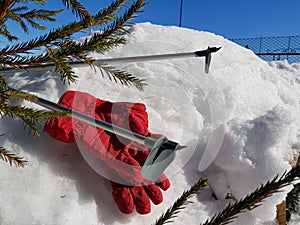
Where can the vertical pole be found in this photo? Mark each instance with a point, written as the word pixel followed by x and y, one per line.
pixel 260 42
pixel 288 48
pixel 180 18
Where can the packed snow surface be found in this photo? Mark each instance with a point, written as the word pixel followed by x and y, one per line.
pixel 240 123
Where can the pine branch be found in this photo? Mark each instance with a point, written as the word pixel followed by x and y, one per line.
pixel 293 199
pixel 3 89
pixel 57 34
pixel 45 15
pixel 254 199
pixel 119 25
pixel 23 60
pixel 12 158
pixel 30 116
pixel 111 10
pixel 77 8
pixel 181 202
pixel 42 2
pixel 94 44
pixel 12 11
pixel 121 76
pixel 109 13
pixel 5 32
pixel 21 95
pixel 65 71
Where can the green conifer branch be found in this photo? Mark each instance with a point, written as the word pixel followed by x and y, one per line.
pixel 99 42
pixel 254 199
pixel 65 71
pixel 94 44
pixel 30 116
pixel 3 89
pixel 121 76
pixel 293 199
pixel 118 26
pixel 5 32
pixel 181 202
pixel 60 33
pixel 10 93
pixel 42 2
pixel 110 10
pixel 7 156
pixel 45 15
pixel 12 11
pixel 77 8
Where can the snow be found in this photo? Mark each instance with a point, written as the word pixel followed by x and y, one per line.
pixel 240 123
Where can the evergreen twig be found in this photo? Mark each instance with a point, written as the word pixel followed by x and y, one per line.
pixel 30 116
pixel 121 76
pixel 293 199
pixel 15 11
pixel 77 8
pixel 60 48
pixel 181 202
pixel 12 158
pixel 254 199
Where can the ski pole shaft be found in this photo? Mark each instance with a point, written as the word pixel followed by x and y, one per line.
pixel 158 57
pixel 148 141
pixel 95 122
pixel 162 150
pixel 113 61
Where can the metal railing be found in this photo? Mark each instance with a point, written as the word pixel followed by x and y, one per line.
pixel 273 48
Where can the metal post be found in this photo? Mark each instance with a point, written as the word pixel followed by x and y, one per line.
pixel 289 47
pixel 181 10
pixel 260 42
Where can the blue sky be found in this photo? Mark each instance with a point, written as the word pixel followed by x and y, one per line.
pixel 242 18
pixel 229 18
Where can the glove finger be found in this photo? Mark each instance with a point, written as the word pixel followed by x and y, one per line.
pixel 142 153
pixel 138 125
pixel 129 169
pixel 141 200
pixel 163 182
pixel 60 128
pixel 123 198
pixel 154 193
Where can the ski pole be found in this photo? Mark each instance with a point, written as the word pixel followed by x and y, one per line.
pixel 203 53
pixel 162 151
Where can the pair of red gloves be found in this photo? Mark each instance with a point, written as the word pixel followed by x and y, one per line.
pixel 122 157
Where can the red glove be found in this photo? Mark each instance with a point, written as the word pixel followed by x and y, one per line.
pixel 123 157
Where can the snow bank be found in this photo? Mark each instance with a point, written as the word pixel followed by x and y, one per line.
pixel 239 123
